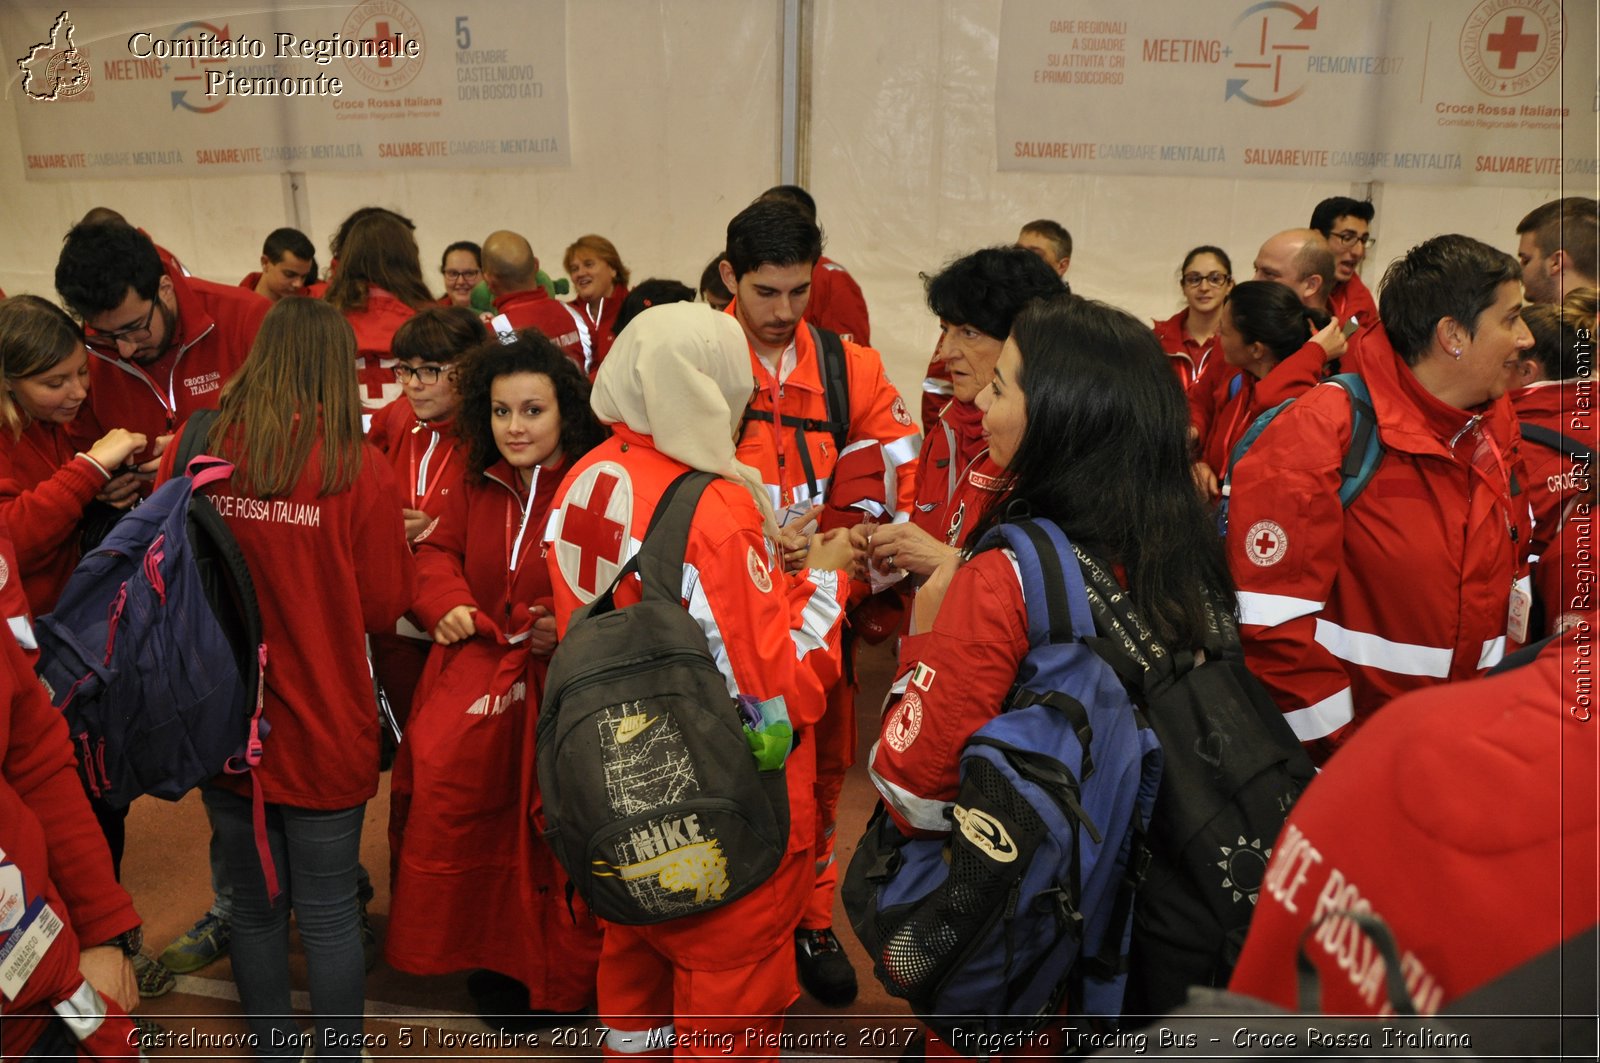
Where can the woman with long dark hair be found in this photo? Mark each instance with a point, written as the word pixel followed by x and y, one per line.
pixel 1274 348
pixel 1089 425
pixel 312 506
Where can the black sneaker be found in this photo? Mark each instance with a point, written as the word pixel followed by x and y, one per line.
pixel 825 970
pixel 502 1004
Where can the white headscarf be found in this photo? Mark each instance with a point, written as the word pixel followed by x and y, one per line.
pixel 681 374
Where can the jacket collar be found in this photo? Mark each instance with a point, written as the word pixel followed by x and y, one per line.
pixel 1410 418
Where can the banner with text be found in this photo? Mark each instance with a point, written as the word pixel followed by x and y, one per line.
pixel 137 90
pixel 1454 91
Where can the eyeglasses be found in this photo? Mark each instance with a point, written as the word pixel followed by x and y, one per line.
pixel 462 274
pixel 107 341
pixel 1349 238
pixel 1216 280
pixel 427 374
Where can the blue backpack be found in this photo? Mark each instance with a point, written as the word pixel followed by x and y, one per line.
pixel 1028 900
pixel 154 652
pixel 1361 458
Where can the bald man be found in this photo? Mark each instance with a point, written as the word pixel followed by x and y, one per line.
pixel 1300 260
pixel 511 270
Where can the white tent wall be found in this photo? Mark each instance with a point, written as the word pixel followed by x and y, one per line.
pixel 675 125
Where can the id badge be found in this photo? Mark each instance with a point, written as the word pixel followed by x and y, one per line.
pixel 1517 618
pixel 26 930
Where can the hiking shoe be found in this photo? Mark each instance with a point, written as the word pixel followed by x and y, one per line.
pixel 151 1033
pixel 201 944
pixel 369 939
pixel 825 970
pixel 154 978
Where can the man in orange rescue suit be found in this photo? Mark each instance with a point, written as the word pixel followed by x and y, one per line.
pixel 798 444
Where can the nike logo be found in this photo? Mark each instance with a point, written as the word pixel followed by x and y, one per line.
pixel 632 727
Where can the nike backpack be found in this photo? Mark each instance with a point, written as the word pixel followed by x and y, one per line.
pixel 653 801
pixel 1024 907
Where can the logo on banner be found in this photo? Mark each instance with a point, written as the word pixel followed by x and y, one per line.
pixel 55 69
pixel 593 531
pixel 384 20
pixel 1269 65
pixel 1509 49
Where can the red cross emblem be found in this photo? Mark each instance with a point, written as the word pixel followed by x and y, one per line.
pixel 594 529
pixel 1266 542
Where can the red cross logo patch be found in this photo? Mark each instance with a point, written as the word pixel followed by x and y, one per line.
pixel 591 540
pixel 1266 543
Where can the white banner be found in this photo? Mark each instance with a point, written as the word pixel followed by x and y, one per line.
pixel 1452 91
pixel 382 85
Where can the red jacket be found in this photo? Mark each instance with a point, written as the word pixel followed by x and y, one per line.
pixel 375 327
pixel 1563 572
pixel 771 634
pixel 465 558
pixel 216 325
pixel 836 302
pixel 1352 299
pixel 43 491
pixel 956 480
pixel 602 329
pixel 936 388
pixel 1222 420
pixel 878 416
pixel 49 837
pixel 428 457
pixel 1189 359
pixel 327 569
pixel 954 679
pixel 14 608
pixel 460 790
pixel 1341 611
pixel 562 324
pixel 1565 406
pixel 1464 817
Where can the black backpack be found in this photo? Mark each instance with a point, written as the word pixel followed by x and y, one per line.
pixel 653 801
pixel 1232 768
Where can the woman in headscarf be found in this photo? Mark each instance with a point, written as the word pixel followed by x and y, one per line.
pixel 674 389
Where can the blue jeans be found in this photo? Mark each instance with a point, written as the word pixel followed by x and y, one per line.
pixel 316 854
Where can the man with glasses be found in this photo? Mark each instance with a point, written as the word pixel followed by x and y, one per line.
pixel 1346 224
pixel 163 344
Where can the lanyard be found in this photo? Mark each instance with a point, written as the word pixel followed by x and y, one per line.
pixel 1247 391
pixel 421 494
pixel 516 549
pixel 1487 440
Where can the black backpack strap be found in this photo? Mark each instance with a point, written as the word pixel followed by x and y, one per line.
pixel 193 438
pixel 835 383
pixel 659 560
pixel 835 376
pixel 1557 441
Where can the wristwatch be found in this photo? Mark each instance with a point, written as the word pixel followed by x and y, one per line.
pixel 129 941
